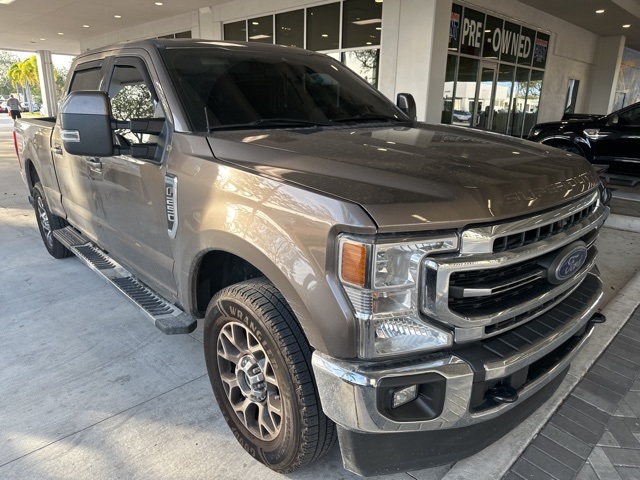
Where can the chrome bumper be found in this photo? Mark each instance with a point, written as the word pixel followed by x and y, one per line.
pixel 349 391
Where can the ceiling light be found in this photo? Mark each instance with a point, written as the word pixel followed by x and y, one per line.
pixel 626 25
pixel 117 16
pixel 600 11
pixel 378 1
pixel 60 33
pixel 255 23
pixel 85 26
pixel 43 39
pixel 6 2
pixel 325 35
pixel 368 21
pixel 259 37
pixel 159 4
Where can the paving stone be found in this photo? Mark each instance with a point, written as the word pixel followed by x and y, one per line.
pixel 619 429
pixel 608 440
pixel 528 470
pixel 633 400
pixel 622 355
pixel 581 419
pixel 625 350
pixel 624 410
pixel 571 443
pixel 602 392
pixel 629 473
pixel 629 339
pixel 614 382
pixel 636 386
pixel 633 424
pixel 549 464
pixel 587 473
pixel 585 407
pixel 602 465
pixel 624 457
pixel 595 400
pixel 511 476
pixel 558 452
pixel 578 431
pixel 606 367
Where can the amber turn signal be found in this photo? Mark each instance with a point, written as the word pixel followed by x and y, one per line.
pixel 354 263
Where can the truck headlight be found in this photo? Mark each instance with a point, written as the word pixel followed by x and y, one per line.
pixel 381 280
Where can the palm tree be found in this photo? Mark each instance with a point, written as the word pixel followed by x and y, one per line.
pixel 23 75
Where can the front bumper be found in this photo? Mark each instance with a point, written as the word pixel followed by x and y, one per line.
pixel 453 389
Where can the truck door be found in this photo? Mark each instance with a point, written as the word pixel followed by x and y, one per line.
pixel 130 192
pixel 73 171
pixel 618 142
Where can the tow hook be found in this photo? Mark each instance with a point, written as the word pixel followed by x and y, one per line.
pixel 502 394
pixel 598 318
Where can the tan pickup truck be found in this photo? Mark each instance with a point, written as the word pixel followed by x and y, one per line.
pixel 411 290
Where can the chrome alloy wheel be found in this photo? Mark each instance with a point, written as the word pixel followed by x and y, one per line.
pixel 44 222
pixel 249 381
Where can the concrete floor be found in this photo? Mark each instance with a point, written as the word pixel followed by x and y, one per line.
pixel 89 389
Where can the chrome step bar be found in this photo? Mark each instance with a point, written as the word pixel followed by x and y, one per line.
pixel 165 316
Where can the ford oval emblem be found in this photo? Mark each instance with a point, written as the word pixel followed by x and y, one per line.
pixel 570 263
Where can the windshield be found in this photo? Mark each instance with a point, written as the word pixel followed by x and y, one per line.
pixel 231 89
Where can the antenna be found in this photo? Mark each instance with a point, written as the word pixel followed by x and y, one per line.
pixel 206 117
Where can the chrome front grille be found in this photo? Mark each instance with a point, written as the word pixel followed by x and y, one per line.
pixel 527 237
pixel 481 292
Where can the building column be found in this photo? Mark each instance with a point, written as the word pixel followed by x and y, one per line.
pixel 413 52
pixel 604 78
pixel 49 106
pixel 210 28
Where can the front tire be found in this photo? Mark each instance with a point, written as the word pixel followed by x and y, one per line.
pixel 47 223
pixel 259 366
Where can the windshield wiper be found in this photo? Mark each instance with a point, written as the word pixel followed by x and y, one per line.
pixel 368 117
pixel 272 122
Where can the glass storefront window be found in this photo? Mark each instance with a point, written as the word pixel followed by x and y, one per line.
pixel 236 31
pixel 504 95
pixel 518 112
pixel 323 27
pixel 454 27
pixel 361 23
pixel 290 29
pixel 492 37
pixel 534 88
pixel 472 31
pixel 364 63
pixel 494 72
pixel 525 48
pixel 261 29
pixel 466 83
pixel 448 96
pixel 540 50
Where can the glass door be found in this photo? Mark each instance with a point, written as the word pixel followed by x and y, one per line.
pixel 485 96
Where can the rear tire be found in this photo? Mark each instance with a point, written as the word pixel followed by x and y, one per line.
pixel 47 223
pixel 259 364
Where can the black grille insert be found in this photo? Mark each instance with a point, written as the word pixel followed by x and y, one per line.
pixel 517 240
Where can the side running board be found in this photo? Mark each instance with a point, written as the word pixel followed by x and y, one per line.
pixel 164 315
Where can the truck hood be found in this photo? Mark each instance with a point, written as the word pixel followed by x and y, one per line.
pixel 431 176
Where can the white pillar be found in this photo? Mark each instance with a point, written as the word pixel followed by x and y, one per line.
pixel 413 52
pixel 47 83
pixel 604 78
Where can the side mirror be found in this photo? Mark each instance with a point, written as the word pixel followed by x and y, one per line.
pixel 87 127
pixel 407 104
pixel 613 119
pixel 85 121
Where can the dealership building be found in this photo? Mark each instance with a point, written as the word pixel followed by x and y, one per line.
pixel 498 65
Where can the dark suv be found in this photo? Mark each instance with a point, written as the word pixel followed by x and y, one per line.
pixel 612 140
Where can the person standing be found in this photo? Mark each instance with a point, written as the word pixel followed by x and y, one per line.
pixel 14 107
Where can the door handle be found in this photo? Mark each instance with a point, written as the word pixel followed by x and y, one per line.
pixel 57 150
